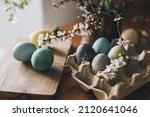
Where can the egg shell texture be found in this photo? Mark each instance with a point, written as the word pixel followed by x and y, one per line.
pixel 116 52
pixel 23 51
pixel 42 59
pixel 99 63
pixel 101 45
pixel 33 38
pixel 132 35
pixel 84 52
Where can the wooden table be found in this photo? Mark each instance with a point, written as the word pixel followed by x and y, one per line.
pixel 70 90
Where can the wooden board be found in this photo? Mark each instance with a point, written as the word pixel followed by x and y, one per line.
pixel 20 81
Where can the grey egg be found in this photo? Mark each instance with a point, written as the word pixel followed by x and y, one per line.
pixel 99 63
pixel 84 52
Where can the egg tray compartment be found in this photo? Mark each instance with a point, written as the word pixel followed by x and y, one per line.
pixel 129 78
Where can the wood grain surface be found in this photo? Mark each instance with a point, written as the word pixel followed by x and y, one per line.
pixel 20 80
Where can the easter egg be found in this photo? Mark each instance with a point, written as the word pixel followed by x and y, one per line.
pixel 101 45
pixel 100 62
pixel 116 52
pixel 23 51
pixel 131 35
pixel 84 52
pixel 33 38
pixel 42 59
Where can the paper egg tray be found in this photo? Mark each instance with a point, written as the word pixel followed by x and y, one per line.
pixel 129 78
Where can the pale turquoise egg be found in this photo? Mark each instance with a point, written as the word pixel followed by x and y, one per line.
pixel 42 59
pixel 101 45
pixel 23 51
pixel 116 52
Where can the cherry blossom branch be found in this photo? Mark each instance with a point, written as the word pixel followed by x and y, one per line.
pixel 79 29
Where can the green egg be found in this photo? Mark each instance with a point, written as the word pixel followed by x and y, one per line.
pixel 116 52
pixel 42 59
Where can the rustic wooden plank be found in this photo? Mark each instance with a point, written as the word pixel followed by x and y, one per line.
pixel 20 78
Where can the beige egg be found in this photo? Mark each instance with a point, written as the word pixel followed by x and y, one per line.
pixel 132 35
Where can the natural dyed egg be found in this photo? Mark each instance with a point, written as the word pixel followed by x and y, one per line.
pixel 42 59
pixel 116 52
pixel 101 45
pixel 100 62
pixel 23 51
pixel 132 35
pixel 84 52
pixel 33 38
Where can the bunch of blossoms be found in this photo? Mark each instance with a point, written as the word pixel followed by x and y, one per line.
pixel 12 6
pixel 91 9
pixel 90 18
pixel 111 70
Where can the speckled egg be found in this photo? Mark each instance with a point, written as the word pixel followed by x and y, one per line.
pixel 84 52
pixel 33 38
pixel 132 35
pixel 100 62
pixel 42 59
pixel 101 45
pixel 23 51
pixel 116 52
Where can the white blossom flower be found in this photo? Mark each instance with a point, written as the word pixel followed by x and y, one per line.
pixel 125 43
pixel 14 20
pixel 111 70
pixel 118 18
pixel 75 27
pixel 60 33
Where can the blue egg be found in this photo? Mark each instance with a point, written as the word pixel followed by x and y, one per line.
pixel 42 59
pixel 101 45
pixel 84 52
pixel 23 51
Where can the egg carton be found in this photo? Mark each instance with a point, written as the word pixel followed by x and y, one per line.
pixel 128 79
